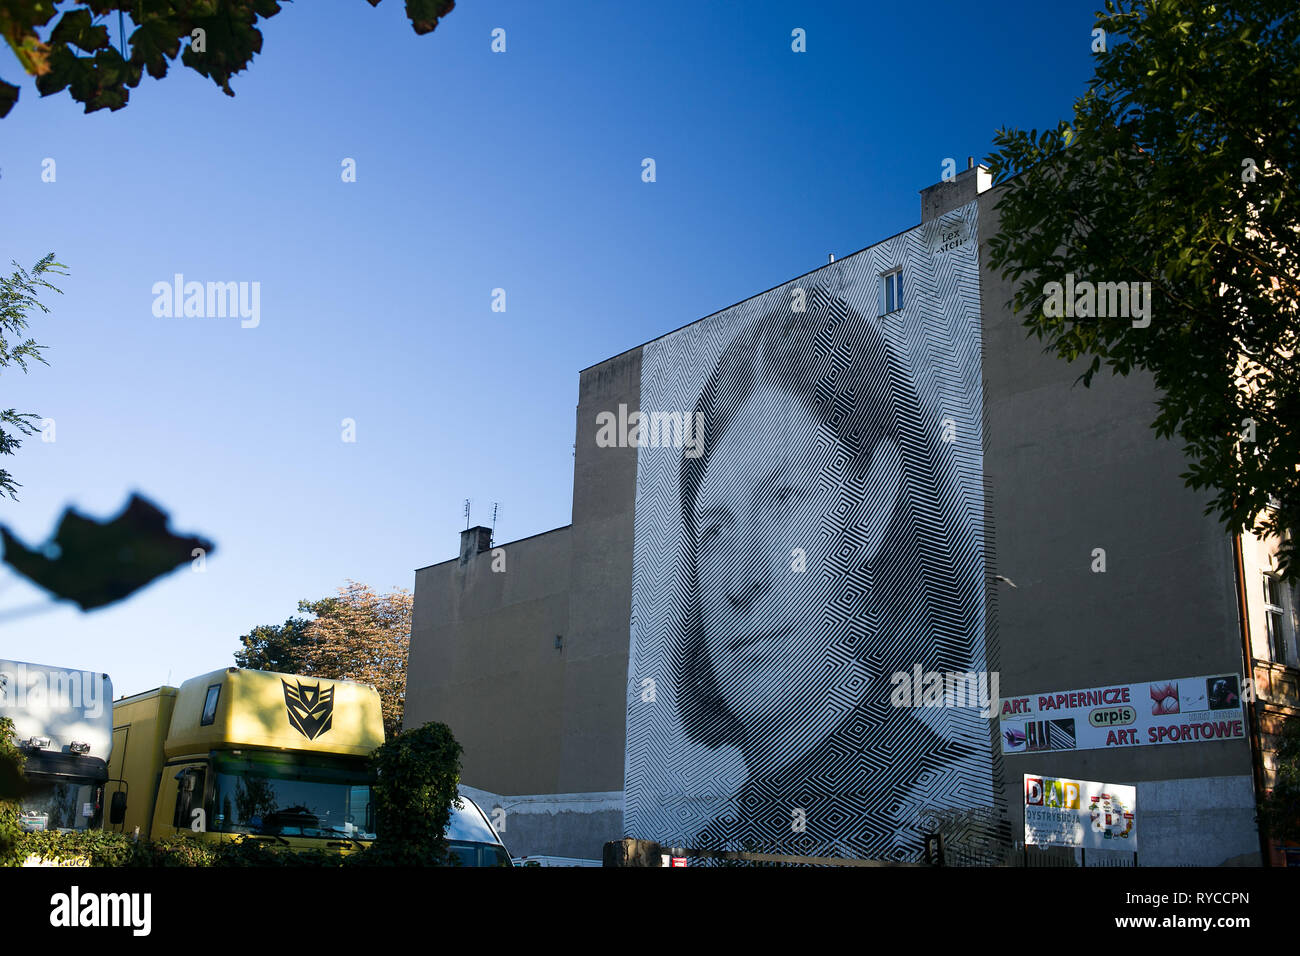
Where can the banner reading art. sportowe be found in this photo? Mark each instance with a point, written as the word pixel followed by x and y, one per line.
pixel 1183 710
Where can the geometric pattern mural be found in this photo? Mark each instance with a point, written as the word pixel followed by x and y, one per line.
pixel 809 524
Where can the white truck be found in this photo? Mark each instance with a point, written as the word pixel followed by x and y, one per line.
pixel 63 724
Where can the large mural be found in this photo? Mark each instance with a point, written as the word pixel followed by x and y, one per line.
pixel 809 544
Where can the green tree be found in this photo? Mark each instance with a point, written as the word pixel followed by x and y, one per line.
pixel 366 637
pixel 358 635
pixel 275 647
pixel 1179 168
pixel 18 296
pixel 220 38
pixel 1279 811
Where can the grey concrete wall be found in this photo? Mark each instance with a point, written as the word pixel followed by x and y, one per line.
pixel 1202 821
pixel 1070 469
pixel 554 824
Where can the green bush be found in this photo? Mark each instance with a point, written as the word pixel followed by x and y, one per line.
pixel 260 853
pixel 98 848
pixel 11 788
pixel 95 846
pixel 417 771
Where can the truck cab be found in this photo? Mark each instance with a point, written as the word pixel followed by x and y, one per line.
pixel 63 724
pixel 249 755
pixel 254 755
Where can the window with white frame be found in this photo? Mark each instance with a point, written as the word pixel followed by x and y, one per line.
pixel 1279 618
pixel 891 291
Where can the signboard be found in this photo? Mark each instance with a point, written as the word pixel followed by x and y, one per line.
pixel 1185 710
pixel 1060 812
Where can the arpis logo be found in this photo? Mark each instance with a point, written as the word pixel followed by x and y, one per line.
pixel 311 707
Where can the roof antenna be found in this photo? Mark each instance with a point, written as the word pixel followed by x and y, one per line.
pixel 466 514
pixel 495 506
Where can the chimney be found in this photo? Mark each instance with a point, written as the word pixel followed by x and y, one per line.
pixel 473 540
pixel 948 194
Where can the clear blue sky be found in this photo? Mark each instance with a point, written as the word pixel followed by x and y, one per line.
pixel 475 171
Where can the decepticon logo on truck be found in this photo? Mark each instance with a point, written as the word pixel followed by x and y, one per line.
pixel 25 688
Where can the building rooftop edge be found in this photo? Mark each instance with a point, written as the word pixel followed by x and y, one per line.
pixel 754 296
pixel 503 544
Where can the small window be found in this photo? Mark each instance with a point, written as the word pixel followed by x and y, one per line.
pixel 189 796
pixel 1276 616
pixel 891 291
pixel 210 705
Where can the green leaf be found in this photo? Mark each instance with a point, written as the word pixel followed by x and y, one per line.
pixel 76 28
pixel 8 97
pixel 425 14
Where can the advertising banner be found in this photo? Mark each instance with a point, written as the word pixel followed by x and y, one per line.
pixel 1060 812
pixel 1184 710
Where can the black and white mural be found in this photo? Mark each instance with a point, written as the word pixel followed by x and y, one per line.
pixel 809 528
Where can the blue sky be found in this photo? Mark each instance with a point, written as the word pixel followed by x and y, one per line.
pixel 475 171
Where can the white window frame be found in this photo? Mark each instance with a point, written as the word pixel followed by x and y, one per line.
pixel 1283 615
pixel 891 291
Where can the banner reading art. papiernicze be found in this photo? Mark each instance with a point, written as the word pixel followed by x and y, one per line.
pixel 1183 710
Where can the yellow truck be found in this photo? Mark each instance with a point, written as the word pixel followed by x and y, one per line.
pixel 247 755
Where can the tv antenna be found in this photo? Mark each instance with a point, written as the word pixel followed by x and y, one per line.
pixel 495 506
pixel 466 514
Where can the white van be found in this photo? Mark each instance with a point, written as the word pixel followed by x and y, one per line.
pixel 471 838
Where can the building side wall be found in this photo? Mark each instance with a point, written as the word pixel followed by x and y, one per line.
pixel 1072 469
pixel 600 602
pixel 483 661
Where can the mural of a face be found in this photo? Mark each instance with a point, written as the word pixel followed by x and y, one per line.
pixel 819 539
pixel 770 519
pixel 759 616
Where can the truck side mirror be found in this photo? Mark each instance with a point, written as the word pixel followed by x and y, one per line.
pixel 117 808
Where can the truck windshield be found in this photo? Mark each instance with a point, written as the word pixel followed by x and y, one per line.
pixel 50 805
pixel 290 795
